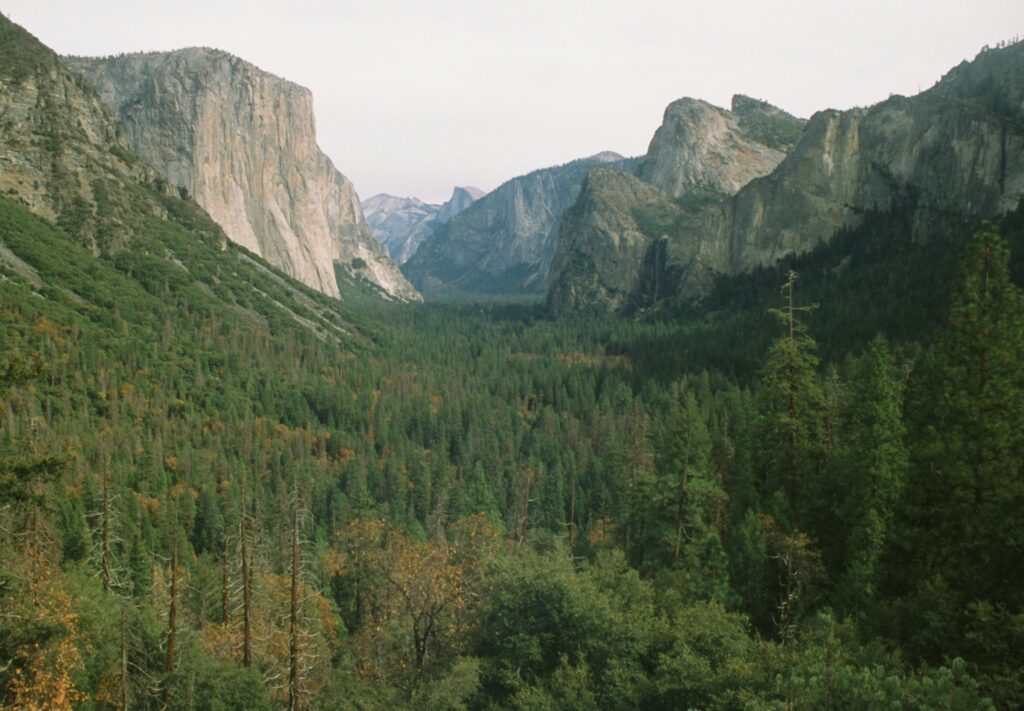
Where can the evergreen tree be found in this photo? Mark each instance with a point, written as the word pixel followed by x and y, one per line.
pixel 690 500
pixel 874 470
pixel 960 560
pixel 967 418
pixel 790 424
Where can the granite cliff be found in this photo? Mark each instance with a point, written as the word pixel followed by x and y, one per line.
pixel 117 245
pixel 953 155
pixel 504 242
pixel 402 224
pixel 623 227
pixel 243 143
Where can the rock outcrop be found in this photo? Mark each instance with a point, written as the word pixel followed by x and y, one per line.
pixel 64 157
pixel 243 143
pixel 504 242
pixel 626 227
pixel 952 155
pixel 609 234
pixel 56 137
pixel 702 147
pixel 461 199
pixel 402 224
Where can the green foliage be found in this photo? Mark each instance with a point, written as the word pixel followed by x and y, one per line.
pixel 657 219
pixel 771 127
pixel 791 418
pixel 828 669
pixel 664 507
pixel 21 55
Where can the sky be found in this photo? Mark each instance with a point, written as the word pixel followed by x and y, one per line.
pixel 413 98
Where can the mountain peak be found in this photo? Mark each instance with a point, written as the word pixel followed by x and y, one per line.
pixel 702 147
pixel 605 157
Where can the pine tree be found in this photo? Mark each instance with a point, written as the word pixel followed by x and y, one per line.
pixel 960 559
pixel 874 465
pixel 967 434
pixel 790 425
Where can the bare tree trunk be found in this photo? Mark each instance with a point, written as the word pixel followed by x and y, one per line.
pixel 224 585
pixel 293 618
pixel 172 618
pixel 105 543
pixel 572 510
pixel 680 510
pixel 124 662
pixel 246 586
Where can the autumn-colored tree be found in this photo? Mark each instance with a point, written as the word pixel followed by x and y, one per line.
pixel 420 592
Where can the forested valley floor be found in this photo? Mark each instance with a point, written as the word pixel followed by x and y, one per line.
pixel 809 494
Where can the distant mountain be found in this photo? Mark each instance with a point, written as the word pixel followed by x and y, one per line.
pixel 950 156
pixel 242 142
pixel 401 224
pixel 504 242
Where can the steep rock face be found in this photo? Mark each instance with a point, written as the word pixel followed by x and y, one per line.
pixel 699 156
pixel 243 143
pixel 462 198
pixel 402 224
pixel 956 152
pixel 64 157
pixel 399 224
pixel 611 235
pixel 504 242
pixel 56 137
pixel 702 147
pixel 953 154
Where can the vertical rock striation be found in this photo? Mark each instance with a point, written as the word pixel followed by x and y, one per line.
pixel 951 155
pixel 243 143
pixel 624 227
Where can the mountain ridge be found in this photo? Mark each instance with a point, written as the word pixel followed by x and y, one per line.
pixel 402 224
pixel 957 149
pixel 504 242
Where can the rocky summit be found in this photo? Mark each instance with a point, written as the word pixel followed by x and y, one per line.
pixel 622 226
pixel 243 143
pixel 505 241
pixel 402 224
pixel 742 189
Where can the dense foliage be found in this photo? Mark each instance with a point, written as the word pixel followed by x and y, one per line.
pixel 475 507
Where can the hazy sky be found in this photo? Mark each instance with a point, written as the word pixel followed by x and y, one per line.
pixel 412 98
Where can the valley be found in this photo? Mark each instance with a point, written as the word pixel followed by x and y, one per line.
pixel 736 424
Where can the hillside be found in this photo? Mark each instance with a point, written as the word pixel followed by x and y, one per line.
pixel 223 490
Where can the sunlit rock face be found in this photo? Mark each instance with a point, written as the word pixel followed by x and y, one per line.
pixel 242 142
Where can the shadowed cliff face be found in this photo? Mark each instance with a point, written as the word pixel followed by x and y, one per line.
pixel 503 242
pixel 243 143
pixel 955 151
